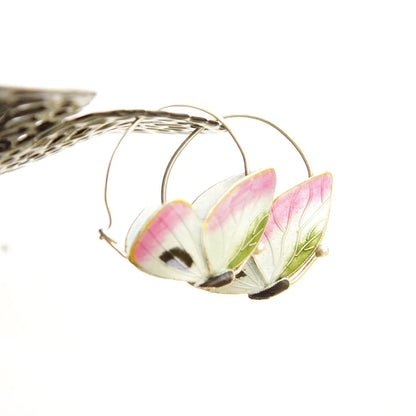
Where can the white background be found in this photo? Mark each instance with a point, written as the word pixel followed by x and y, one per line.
pixel 82 332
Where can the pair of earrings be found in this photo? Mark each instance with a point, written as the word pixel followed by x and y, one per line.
pixel 235 238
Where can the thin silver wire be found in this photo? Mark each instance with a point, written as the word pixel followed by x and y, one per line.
pixel 133 125
pixel 295 145
pixel 104 236
pixel 173 160
pixel 185 143
pixel 224 124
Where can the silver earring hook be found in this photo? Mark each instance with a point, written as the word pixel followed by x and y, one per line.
pixel 295 145
pixel 173 160
pixel 104 236
pixel 185 143
pixel 190 137
pixel 133 125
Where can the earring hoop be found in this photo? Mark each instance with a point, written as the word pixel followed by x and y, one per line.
pixel 188 140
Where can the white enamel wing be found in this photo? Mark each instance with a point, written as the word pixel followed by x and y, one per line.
pixel 204 244
pixel 290 242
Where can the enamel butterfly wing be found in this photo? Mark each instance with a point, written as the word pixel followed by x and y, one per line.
pixel 290 243
pixel 203 246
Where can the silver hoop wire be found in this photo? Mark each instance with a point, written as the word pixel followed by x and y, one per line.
pixel 104 236
pixel 185 143
pixel 133 125
pixel 172 161
pixel 295 145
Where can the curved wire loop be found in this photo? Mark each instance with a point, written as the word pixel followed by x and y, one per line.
pixel 104 236
pixel 188 140
pixel 295 145
pixel 172 161
pixel 185 143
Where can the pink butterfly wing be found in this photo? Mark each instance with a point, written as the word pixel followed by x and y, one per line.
pixel 236 223
pixel 295 228
pixel 169 243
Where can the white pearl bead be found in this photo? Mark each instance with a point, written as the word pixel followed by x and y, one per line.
pixel 322 251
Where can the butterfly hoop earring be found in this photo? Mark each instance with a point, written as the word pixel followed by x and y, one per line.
pixel 235 238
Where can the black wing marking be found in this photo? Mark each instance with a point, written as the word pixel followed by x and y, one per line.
pixel 274 290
